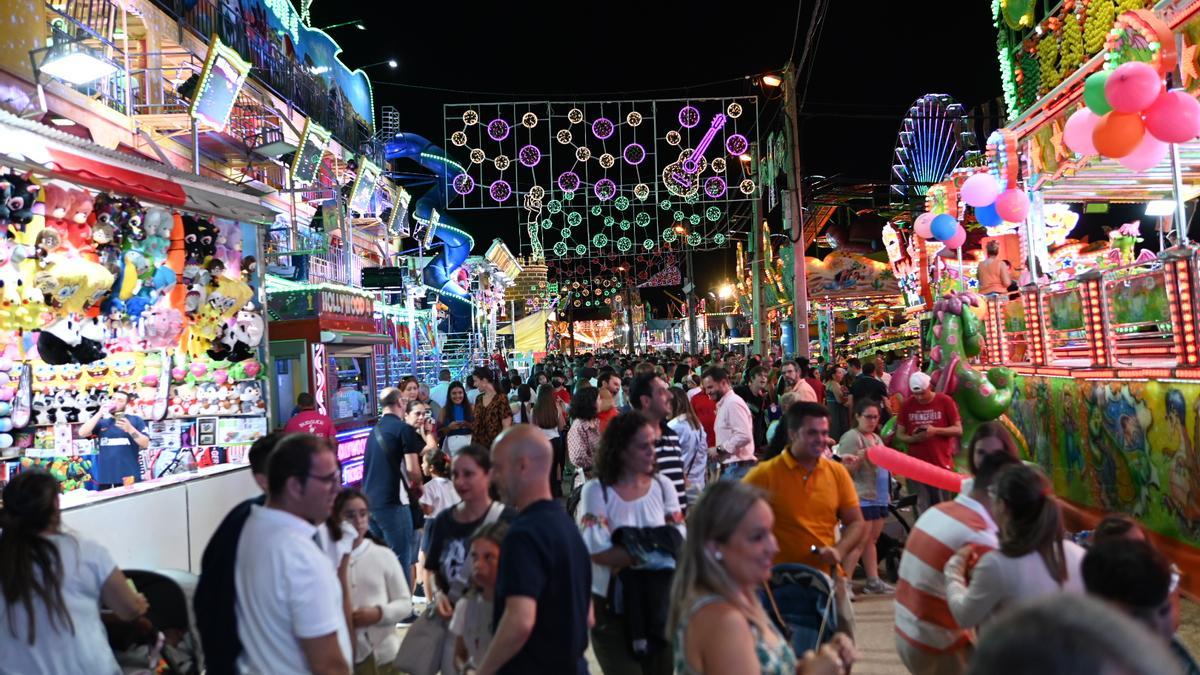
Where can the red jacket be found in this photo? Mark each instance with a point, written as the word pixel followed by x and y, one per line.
pixel 706 412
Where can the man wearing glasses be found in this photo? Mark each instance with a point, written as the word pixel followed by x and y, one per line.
pixel 290 616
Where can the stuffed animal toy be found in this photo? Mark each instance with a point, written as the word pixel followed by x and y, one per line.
pixel 73 285
pixel 19 195
pixel 56 207
pixel 133 227
pixel 161 326
pixel 250 396
pixel 247 333
pixel 157 223
pixel 229 245
pixel 199 240
pixel 81 209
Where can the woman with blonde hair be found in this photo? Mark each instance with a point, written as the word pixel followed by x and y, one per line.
pixel 719 624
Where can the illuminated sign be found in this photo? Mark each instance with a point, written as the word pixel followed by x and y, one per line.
pixel 398 223
pixel 307 160
pixel 352 473
pixel 220 82
pixel 364 186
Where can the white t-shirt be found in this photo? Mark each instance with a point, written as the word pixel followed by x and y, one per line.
pixel 86 566
pixel 472 394
pixel 472 621
pixel 599 517
pixel 440 494
pixel 287 591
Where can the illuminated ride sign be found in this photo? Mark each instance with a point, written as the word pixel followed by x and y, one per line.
pixel 220 82
pixel 351 448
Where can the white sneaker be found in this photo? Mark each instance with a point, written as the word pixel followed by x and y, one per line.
pixel 878 586
pixel 849 590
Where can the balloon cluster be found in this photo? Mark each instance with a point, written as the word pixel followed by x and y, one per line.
pixel 1131 117
pixel 941 227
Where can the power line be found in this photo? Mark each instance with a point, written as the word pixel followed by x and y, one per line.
pixel 795 31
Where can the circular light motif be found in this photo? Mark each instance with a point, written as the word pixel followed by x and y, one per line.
pixel 463 184
pixel 547 223
pixel 605 189
pixel 497 130
pixel 500 190
pixel 689 117
pixel 673 137
pixel 529 120
pixel 715 187
pixel 634 154
pixel 641 191
pixel 560 249
pixel 642 219
pixel 678 216
pixel 719 239
pixel 718 165
pixel 602 128
pixel 633 119
pixel 574 218
pixel 477 156
pixel 734 110
pixel 501 162
pixel 568 181
pixel 565 233
pixel 470 118
pixel 747 187
pixel 596 211
pixel 621 203
pixel 600 241
pixel 694 239
pixel 692 197
pixel 564 253
pixel 694 219
pixel 701 165
pixel 736 144
pixel 569 196
pixel 648 244
pixel 665 205
pixel 712 213
pixel 563 137
pixel 575 116
pixel 537 192
pixel 669 235
pixel 625 224
pixel 458 138
pixel 554 206
pixel 583 154
pixel 607 160
pixel 609 221
pixel 580 249
pixel 624 244
pixel 529 156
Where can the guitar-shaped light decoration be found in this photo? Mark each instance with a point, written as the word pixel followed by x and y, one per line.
pixel 680 176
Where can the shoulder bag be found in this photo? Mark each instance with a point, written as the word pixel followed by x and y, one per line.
pixel 421 651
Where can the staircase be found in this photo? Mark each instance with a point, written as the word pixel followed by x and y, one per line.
pixel 460 353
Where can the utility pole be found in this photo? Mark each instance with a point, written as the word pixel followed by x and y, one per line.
pixel 690 288
pixel 757 254
pixel 795 183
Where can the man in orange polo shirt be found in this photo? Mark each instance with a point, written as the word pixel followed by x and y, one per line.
pixel 810 495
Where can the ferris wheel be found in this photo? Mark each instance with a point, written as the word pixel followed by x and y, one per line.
pixel 935 138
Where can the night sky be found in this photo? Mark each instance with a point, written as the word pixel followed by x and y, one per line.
pixel 872 60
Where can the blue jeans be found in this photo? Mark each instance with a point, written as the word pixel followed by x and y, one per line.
pixel 394 525
pixel 736 470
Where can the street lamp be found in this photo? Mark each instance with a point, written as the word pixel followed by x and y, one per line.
pixel 391 63
pixel 725 291
pixel 357 23
pixel 771 80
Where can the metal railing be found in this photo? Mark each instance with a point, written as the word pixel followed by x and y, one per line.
pixel 273 67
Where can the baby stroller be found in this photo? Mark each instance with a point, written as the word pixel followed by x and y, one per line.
pixel 162 641
pixel 799 602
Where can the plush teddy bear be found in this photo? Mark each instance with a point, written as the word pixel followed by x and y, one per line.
pixel 158 224
pixel 56 207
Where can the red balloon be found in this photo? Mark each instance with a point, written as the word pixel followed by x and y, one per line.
pixel 1118 134
pixel 1174 117
pixel 917 469
pixel 1013 205
pixel 1133 87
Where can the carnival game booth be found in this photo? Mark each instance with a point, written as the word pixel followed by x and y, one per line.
pixel 323 339
pixel 1099 348
pixel 124 275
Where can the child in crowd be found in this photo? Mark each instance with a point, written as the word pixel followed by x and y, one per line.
pixel 471 625
pixel 439 491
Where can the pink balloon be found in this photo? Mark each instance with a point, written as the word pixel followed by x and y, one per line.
pixel 1147 155
pixel 921 225
pixel 1012 205
pixel 1078 131
pixel 959 238
pixel 917 469
pixel 1174 117
pixel 1133 87
pixel 980 189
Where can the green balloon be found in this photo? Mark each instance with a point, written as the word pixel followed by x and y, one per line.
pixel 1093 93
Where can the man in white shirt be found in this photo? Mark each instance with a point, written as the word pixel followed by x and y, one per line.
pixel 289 607
pixel 472 391
pixel 438 392
pixel 734 426
pixel 881 371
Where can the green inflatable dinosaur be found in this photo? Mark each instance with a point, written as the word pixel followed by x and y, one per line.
pixel 957 336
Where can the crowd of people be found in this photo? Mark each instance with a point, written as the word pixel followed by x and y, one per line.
pixel 645 507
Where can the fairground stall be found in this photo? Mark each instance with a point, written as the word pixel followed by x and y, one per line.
pixel 1095 178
